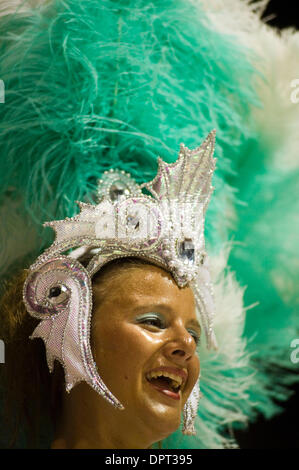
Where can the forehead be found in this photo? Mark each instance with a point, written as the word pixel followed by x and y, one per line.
pixel 149 285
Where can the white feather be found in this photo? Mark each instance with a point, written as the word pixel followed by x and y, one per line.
pixel 275 54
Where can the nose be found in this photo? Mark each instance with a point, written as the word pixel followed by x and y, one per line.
pixel 181 347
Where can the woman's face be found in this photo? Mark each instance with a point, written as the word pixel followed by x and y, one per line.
pixel 143 328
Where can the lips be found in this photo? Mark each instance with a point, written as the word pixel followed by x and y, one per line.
pixel 168 380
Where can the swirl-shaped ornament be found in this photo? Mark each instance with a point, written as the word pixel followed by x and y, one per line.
pixel 59 293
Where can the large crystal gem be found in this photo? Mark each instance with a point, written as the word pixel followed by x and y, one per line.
pixel 55 291
pixel 133 221
pixel 117 190
pixel 186 250
pixel 58 294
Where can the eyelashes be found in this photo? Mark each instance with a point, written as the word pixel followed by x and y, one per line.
pixel 157 321
pixel 195 336
pixel 152 319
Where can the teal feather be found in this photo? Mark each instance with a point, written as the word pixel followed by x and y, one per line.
pixel 140 80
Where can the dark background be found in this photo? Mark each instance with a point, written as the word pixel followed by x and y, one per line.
pixel 282 431
pixel 282 14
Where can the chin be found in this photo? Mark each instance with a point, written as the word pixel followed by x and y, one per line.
pixel 162 421
pixel 166 430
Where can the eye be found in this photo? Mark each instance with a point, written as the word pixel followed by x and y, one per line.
pixel 152 320
pixel 195 336
pixel 58 294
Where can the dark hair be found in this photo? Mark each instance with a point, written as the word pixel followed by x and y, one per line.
pixel 24 376
pixel 31 395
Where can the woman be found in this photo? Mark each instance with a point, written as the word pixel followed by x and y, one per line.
pixel 165 228
pixel 98 85
pixel 144 337
pixel 130 333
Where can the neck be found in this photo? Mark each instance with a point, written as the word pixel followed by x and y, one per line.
pixel 89 422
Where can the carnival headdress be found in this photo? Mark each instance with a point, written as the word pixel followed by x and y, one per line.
pixel 165 227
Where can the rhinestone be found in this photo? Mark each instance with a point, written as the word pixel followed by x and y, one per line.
pixel 55 291
pixel 133 221
pixel 117 190
pixel 58 294
pixel 187 250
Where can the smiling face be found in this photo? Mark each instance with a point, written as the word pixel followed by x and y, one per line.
pixel 144 335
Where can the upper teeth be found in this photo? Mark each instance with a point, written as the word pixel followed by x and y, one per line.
pixel 176 379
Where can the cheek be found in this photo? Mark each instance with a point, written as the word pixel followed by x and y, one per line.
pixel 122 350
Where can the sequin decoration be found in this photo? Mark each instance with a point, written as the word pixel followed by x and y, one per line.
pixel 190 411
pixel 65 328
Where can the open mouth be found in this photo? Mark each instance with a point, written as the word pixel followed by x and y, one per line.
pixel 168 383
